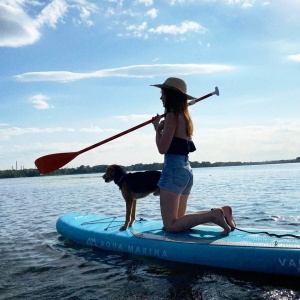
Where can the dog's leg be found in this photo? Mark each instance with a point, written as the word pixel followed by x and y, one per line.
pixel 129 204
pixel 133 212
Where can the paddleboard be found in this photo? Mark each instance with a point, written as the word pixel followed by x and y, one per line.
pixel 202 245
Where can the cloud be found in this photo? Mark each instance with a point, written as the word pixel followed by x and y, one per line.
pixel 295 57
pixel 86 9
pixel 142 30
pixel 52 13
pixel 185 27
pixel 145 2
pixel 134 117
pixel 138 30
pixel 247 5
pixel 242 3
pixel 6 133
pixel 39 101
pixel 95 129
pixel 152 13
pixel 276 141
pixel 18 28
pixel 137 71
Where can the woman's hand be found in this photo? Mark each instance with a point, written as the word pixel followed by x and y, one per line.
pixel 156 121
pixel 160 126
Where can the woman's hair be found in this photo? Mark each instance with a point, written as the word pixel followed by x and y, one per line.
pixel 176 102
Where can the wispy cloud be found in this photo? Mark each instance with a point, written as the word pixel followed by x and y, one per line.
pixel 133 117
pixel 185 27
pixel 130 71
pixel 96 129
pixel 6 133
pixel 152 13
pixel 247 5
pixel 242 3
pixel 276 141
pixel 39 101
pixel 145 2
pixel 52 13
pixel 85 9
pixel 295 57
pixel 142 31
pixel 138 30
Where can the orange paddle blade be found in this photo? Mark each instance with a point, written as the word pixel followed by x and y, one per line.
pixel 49 163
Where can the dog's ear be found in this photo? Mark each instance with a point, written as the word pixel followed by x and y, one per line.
pixel 110 169
pixel 116 167
pixel 119 170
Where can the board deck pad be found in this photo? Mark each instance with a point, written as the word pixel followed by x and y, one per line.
pixel 203 245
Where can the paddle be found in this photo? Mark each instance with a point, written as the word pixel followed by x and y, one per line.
pixel 49 163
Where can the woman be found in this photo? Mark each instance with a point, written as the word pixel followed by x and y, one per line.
pixel 173 139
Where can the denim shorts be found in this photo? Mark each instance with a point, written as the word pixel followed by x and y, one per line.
pixel 177 174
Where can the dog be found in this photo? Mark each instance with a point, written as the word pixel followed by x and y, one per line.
pixel 133 186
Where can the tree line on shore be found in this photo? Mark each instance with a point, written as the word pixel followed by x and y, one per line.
pixel 137 167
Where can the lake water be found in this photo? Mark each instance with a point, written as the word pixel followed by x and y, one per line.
pixel 37 263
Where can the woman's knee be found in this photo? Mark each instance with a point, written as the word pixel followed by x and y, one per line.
pixel 170 228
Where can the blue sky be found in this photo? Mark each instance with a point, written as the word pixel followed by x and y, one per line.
pixel 74 73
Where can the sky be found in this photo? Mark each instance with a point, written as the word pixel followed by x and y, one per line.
pixel 76 72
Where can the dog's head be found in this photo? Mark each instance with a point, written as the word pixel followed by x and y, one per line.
pixel 112 172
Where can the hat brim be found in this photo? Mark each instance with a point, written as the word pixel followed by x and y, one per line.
pixel 165 86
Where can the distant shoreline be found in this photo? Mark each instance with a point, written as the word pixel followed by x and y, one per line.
pixel 137 167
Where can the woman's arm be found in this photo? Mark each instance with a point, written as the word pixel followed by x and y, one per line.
pixel 165 132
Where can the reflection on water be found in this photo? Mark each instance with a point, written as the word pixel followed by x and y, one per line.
pixel 36 263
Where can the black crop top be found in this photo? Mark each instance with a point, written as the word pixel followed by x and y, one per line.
pixel 181 146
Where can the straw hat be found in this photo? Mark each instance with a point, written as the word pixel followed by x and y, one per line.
pixel 176 84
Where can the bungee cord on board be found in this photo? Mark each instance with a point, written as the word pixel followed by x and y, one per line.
pixel 113 220
pixel 267 233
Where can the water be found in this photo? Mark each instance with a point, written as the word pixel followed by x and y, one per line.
pixel 37 263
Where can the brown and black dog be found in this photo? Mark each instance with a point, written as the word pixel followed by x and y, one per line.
pixel 133 186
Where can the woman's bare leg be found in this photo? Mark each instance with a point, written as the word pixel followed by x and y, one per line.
pixel 182 205
pixel 170 202
pixel 228 216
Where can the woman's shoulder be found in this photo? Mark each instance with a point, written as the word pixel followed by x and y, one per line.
pixel 170 116
pixel 177 122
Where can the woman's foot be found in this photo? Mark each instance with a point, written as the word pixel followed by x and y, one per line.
pixel 219 219
pixel 228 217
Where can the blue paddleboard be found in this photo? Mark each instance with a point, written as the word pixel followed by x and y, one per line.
pixel 203 245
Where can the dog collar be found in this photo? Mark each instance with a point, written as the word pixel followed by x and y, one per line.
pixel 120 182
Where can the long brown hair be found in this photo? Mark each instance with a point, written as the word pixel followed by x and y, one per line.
pixel 176 102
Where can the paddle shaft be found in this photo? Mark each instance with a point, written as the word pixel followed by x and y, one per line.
pixel 49 163
pixel 216 92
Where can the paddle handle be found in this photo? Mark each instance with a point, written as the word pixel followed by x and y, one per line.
pixel 216 92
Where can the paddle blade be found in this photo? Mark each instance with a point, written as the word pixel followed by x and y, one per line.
pixel 49 163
